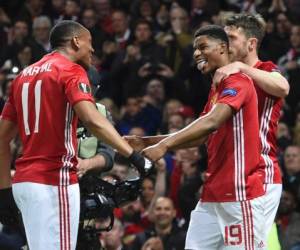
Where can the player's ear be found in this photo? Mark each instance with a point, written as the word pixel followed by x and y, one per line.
pixel 75 42
pixel 252 44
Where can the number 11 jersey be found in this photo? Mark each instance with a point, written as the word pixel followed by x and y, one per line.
pixel 41 102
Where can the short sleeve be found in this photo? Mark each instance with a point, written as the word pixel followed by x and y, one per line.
pixel 77 86
pixel 9 111
pixel 235 91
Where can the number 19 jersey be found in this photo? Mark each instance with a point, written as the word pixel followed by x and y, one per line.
pixel 40 102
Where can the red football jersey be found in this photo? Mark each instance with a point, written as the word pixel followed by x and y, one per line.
pixel 41 103
pixel 234 149
pixel 269 108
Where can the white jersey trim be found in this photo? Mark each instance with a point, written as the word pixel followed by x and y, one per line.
pixel 65 181
pixel 263 132
pixel 239 156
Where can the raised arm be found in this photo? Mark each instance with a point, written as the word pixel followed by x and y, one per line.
pixel 271 82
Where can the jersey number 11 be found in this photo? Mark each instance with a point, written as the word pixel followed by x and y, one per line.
pixel 37 100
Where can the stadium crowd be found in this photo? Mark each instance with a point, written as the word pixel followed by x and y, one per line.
pixel 143 72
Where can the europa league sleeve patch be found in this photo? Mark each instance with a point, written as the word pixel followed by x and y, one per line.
pixel 85 88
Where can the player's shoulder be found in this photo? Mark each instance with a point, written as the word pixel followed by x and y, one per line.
pixel 267 66
pixel 238 78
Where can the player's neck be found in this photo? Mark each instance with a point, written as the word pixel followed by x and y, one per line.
pixel 224 61
pixel 251 59
pixel 66 53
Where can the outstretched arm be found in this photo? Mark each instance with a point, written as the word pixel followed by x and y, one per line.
pixel 197 130
pixel 271 82
pixel 100 127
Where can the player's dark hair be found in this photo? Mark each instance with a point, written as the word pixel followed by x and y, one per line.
pixel 252 25
pixel 213 31
pixel 63 32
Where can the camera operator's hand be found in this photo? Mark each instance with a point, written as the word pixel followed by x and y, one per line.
pixel 8 208
pixel 82 166
pixel 142 164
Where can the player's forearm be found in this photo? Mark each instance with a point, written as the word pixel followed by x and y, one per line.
pixel 194 143
pixel 271 82
pixel 151 140
pixel 197 130
pixel 107 133
pixel 100 127
pixel 5 160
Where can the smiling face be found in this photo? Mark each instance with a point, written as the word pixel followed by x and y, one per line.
pixel 207 53
pixel 164 212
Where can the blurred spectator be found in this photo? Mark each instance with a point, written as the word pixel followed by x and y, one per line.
pixel 288 220
pixel 277 43
pixel 71 12
pixel 153 243
pixel 121 167
pixel 199 13
pixel 112 240
pixel 41 30
pixel 177 39
pixel 292 168
pixel 103 10
pixel 139 59
pixel 283 137
pixel 89 20
pixel 185 180
pixel 161 22
pixel 155 93
pixel 171 107
pixel 139 131
pixel 22 58
pixel 190 182
pixel 277 6
pixel 130 216
pixel 175 123
pixel 17 36
pixel 143 9
pixel 171 235
pixel 147 117
pixel 5 22
pixel 30 10
pixel 152 188
pixel 56 10
pixel 290 65
pixel 111 107
pixel 120 27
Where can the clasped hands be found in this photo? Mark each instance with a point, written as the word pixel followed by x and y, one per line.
pixel 153 153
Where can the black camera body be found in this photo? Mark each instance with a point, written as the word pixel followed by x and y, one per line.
pixel 98 200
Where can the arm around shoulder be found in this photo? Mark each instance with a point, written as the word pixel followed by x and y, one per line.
pixel 272 83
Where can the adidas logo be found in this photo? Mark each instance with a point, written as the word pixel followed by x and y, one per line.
pixel 261 244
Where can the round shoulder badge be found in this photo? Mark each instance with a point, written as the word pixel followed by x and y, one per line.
pixel 85 88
